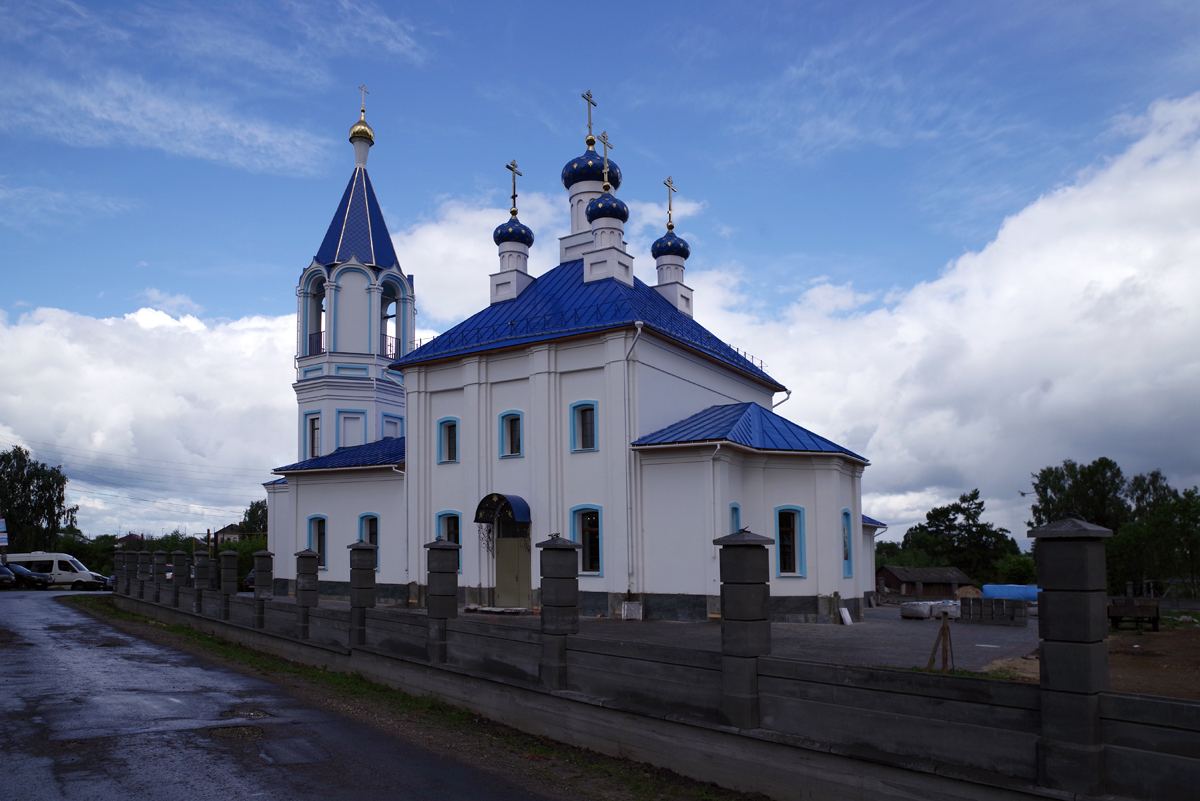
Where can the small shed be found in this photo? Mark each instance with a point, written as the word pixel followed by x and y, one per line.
pixel 921 582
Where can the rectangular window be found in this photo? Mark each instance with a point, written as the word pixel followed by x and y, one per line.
pixel 787 542
pixel 391 427
pixel 448 441
pixel 450 531
pixel 314 436
pixel 512 435
pixel 589 537
pixel 319 540
pixel 847 547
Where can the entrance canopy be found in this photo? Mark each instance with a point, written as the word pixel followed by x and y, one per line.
pixel 510 511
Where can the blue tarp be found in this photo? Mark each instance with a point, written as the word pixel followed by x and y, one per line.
pixel 1013 592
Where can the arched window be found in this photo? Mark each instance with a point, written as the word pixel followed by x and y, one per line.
pixel 315 326
pixel 316 538
pixel 735 517
pixel 368 532
pixel 449 528
pixel 447 443
pixel 588 530
pixel 391 326
pixel 847 546
pixel 790 557
pixel 583 427
pixel 511 434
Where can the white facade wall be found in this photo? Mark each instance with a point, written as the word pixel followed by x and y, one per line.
pixel 341 497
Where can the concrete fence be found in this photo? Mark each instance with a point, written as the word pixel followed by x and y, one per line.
pixel 789 728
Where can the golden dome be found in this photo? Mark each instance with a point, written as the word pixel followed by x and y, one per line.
pixel 361 128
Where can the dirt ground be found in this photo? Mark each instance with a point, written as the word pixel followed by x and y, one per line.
pixel 1166 662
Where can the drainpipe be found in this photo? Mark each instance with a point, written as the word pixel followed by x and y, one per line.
pixel 785 400
pixel 628 470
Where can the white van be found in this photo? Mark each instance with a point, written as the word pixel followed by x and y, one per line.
pixel 66 569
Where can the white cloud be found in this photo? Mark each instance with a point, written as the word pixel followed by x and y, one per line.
pixel 452 255
pixel 22 206
pixel 1071 335
pixel 185 417
pixel 175 304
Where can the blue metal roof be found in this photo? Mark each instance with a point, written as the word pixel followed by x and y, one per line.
pixel 559 304
pixel 387 451
pixel 746 424
pixel 870 521
pixel 276 481
pixel 357 228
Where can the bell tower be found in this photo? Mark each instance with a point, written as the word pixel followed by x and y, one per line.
pixel 354 317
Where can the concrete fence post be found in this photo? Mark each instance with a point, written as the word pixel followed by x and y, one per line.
pixel 264 585
pixel 441 594
pixel 119 572
pixel 160 574
pixel 201 582
pixel 1073 625
pixel 229 580
pixel 179 575
pixel 362 588
pixel 745 627
pixel 307 595
pixel 560 607
pixel 145 571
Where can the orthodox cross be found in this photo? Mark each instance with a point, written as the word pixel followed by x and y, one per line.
pixel 607 145
pixel 364 96
pixel 512 167
pixel 670 185
pixel 588 97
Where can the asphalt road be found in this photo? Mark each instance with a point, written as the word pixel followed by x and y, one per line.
pixel 87 712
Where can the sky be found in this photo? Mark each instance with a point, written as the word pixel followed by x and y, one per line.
pixel 965 235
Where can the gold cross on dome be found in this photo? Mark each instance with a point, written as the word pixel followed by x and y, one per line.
pixel 603 139
pixel 512 167
pixel 671 190
pixel 588 97
pixel 364 96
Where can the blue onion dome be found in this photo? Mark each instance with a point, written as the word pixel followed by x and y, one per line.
pixel 607 205
pixel 513 231
pixel 590 167
pixel 670 245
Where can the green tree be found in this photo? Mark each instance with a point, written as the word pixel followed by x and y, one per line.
pixel 1016 568
pixel 954 535
pixel 1095 492
pixel 33 502
pixel 254 519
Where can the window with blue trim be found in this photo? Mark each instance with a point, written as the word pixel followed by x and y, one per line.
pixel 449 528
pixel 583 426
pixel 316 538
pixel 587 530
pixel 789 541
pixel 511 444
pixel 368 532
pixel 312 435
pixel 847 546
pixel 393 426
pixel 447 440
pixel 735 517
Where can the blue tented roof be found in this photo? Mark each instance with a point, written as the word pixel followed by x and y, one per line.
pixel 276 481
pixel 357 228
pixel 746 424
pixel 559 304
pixel 387 451
pixel 870 521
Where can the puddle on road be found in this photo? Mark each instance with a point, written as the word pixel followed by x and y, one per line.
pixel 237 733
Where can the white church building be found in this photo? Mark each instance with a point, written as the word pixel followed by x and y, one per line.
pixel 581 401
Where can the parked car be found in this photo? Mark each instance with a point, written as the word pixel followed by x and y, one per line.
pixel 29 580
pixel 7 580
pixel 106 582
pixel 248 582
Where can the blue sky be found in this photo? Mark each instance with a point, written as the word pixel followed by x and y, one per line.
pixel 955 230
pixel 200 149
